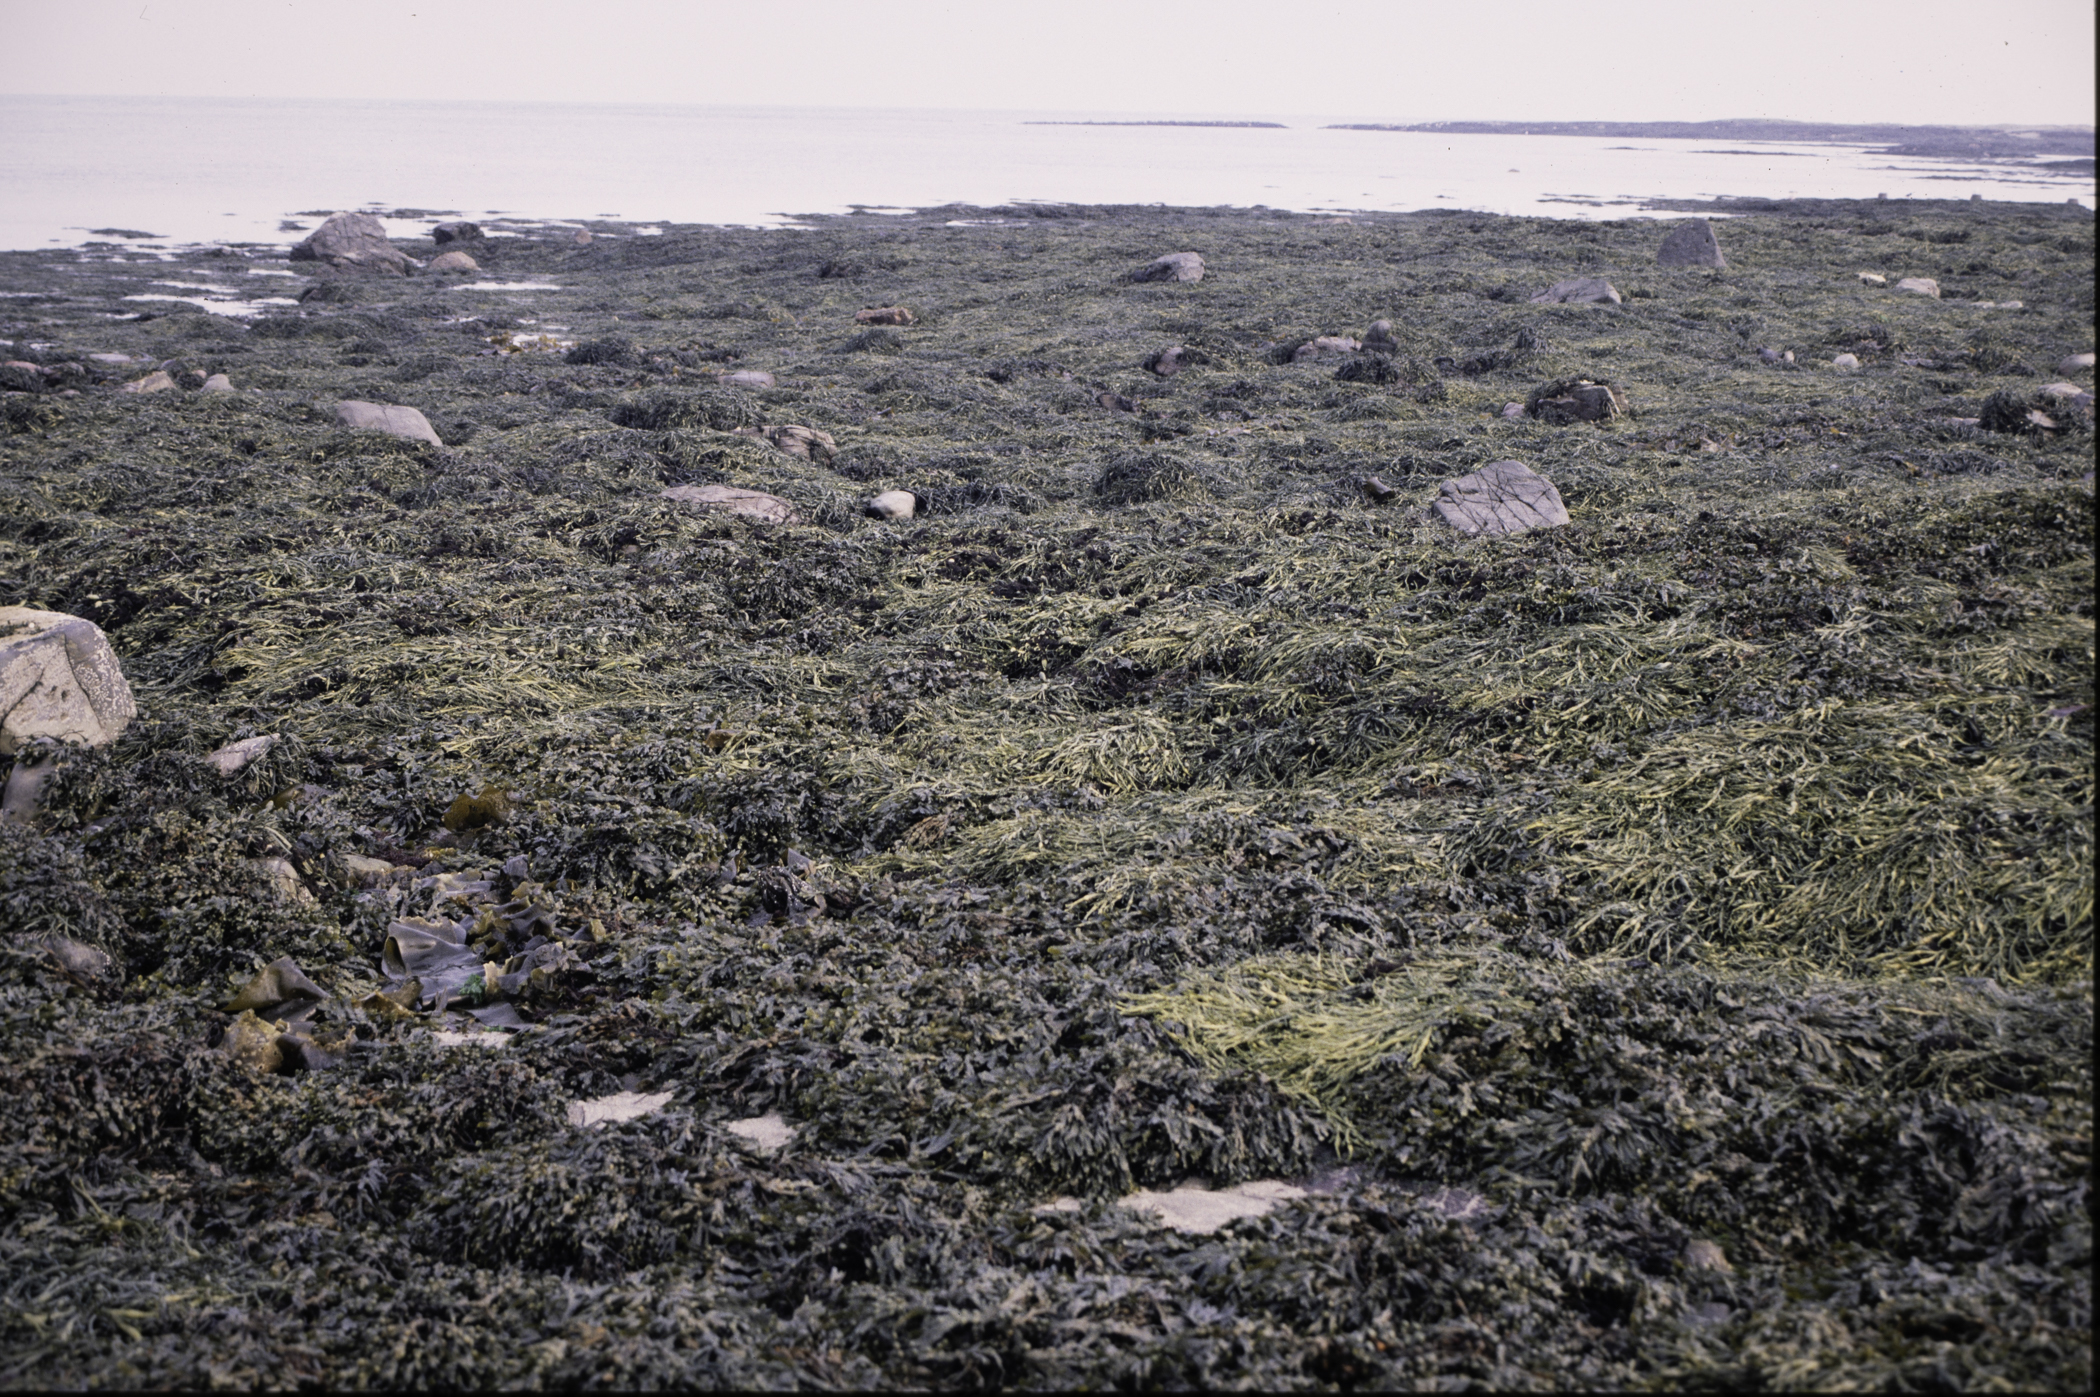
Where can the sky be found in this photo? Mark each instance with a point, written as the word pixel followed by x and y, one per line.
pixel 1961 62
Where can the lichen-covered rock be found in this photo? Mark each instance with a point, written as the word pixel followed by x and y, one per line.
pixel 727 499
pixel 353 242
pixel 391 418
pixel 1502 497
pixel 60 680
pixel 1579 291
pixel 1175 266
pixel 1691 244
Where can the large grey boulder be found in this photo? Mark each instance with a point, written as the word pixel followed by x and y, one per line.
pixel 59 680
pixel 1502 497
pixel 727 499
pixel 1578 291
pixel 391 418
pixel 353 242
pixel 1175 266
pixel 1691 244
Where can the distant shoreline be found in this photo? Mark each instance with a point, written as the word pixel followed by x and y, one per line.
pixel 1983 142
pixel 1263 125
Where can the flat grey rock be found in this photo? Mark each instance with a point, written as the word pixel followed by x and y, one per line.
pixel 1175 266
pixel 229 760
pixel 1579 291
pixel 1691 244
pixel 1503 497
pixel 391 418
pixel 727 499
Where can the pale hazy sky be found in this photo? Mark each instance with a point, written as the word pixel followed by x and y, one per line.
pixel 1915 61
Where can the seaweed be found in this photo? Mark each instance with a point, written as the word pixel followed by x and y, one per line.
pixel 1659 948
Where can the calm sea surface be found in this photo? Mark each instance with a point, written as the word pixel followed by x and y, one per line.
pixel 203 170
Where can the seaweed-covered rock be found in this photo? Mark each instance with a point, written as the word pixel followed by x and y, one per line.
pixel 1691 244
pixel 390 418
pixel 1374 369
pixel 1502 497
pixel 1175 266
pixel 1575 400
pixel 453 261
pixel 459 232
pixel 60 680
pixel 17 376
pixel 353 242
pixel 1379 338
pixel 1579 291
pixel 1920 286
pixel 727 499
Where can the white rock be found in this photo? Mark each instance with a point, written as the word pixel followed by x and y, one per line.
pixel 1513 411
pixel 1193 1208
pixel 217 383
pixel 391 418
pixel 2072 363
pixel 1919 285
pixel 1874 278
pixel 231 758
pixel 894 504
pixel 620 1106
pixel 1845 362
pixel 59 679
pixel 765 1133
pixel 2059 390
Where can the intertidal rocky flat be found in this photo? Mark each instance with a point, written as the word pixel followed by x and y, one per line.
pixel 671 941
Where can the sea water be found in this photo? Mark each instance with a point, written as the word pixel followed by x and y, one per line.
pixel 191 170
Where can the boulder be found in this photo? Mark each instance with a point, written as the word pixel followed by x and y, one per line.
pixel 58 679
pixel 2067 395
pixel 1379 338
pixel 1325 347
pixel 456 233
pixel 453 261
pixel 217 383
pixel 893 504
pixel 1166 362
pixel 1776 356
pixel 1175 266
pixel 1575 400
pixel 17 376
pixel 353 242
pixel 1115 402
pixel 807 443
pixel 1579 291
pixel 884 315
pixel 2072 363
pixel 230 759
pixel 1873 279
pixel 1919 286
pixel 394 420
pixel 1691 244
pixel 1512 411
pixel 1845 363
pixel 747 378
pixel 158 381
pixel 727 499
pixel 1502 497
pixel 583 237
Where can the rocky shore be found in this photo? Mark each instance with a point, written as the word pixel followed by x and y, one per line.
pixel 1052 796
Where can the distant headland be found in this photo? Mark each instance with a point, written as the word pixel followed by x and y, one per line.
pixel 1982 142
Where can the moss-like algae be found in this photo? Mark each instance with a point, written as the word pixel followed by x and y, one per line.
pixel 1717 867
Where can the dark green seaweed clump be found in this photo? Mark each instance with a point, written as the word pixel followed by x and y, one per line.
pixel 1659 948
